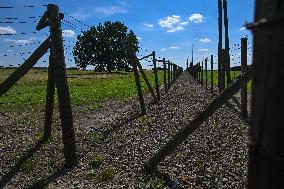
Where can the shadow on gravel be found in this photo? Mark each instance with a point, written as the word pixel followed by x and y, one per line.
pixel 16 168
pixel 116 127
pixel 44 182
pixel 168 181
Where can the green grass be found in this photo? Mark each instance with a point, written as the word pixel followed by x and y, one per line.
pixel 103 176
pixel 86 87
pixel 96 160
pixel 234 75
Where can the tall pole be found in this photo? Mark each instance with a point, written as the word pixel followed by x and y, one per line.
pixel 186 63
pixel 156 76
pixel 223 71
pixel 220 43
pixel 206 76
pixel 62 86
pixel 191 64
pixel 212 84
pixel 169 75
pixel 165 75
pixel 266 147
pixel 202 73
pixel 244 101
pixel 227 43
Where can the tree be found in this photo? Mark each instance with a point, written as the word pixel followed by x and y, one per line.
pixel 105 47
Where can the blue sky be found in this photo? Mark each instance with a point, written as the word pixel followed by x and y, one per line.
pixel 169 27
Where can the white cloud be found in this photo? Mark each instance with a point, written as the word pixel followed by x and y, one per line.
pixel 84 13
pixel 196 18
pixel 205 40
pixel 174 48
pixel 111 10
pixel 243 28
pixel 18 42
pixel 7 30
pixel 172 23
pixel 184 23
pixel 178 28
pixel 203 50
pixel 81 14
pixel 162 49
pixel 148 25
pixel 68 33
pixel 139 38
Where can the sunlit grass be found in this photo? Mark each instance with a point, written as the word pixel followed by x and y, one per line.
pixel 86 87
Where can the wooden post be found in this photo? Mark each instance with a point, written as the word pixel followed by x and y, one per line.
pixel 186 64
pixel 220 28
pixel 206 76
pixel 214 105
pixel 62 86
pixel 199 72
pixel 266 151
pixel 202 74
pixel 174 73
pixel 25 67
pixel 165 75
pixel 146 79
pixel 244 110
pixel 156 76
pixel 212 76
pixel 222 73
pixel 169 75
pixel 138 83
pixel 50 91
pixel 227 43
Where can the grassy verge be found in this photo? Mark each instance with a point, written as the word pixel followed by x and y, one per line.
pixel 86 87
pixel 234 75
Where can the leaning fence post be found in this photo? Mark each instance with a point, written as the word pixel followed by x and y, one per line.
pixel 212 77
pixel 214 105
pixel 244 110
pixel 25 67
pixel 138 83
pixel 62 87
pixel 165 75
pixel 156 76
pixel 146 79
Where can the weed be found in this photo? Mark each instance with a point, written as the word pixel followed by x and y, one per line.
pixel 28 166
pixel 156 183
pixel 90 175
pixel 105 175
pixel 142 120
pixel 42 183
pixel 96 138
pixel 96 160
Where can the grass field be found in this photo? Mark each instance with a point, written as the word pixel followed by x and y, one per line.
pixel 234 75
pixel 86 87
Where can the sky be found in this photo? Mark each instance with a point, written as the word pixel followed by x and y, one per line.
pixel 169 27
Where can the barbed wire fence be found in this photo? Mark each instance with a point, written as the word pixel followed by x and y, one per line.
pixel 24 85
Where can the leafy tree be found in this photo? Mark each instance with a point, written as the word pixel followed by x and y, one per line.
pixel 105 47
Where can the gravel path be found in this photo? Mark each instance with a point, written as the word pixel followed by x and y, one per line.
pixel 113 143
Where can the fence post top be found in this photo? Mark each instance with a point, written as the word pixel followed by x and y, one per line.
pixel 53 11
